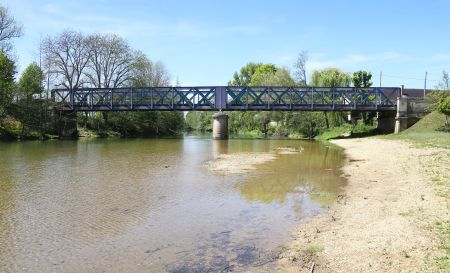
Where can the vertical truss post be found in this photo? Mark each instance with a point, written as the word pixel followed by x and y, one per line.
pixel 246 100
pixel 151 98
pixel 312 98
pixel 268 98
pixel 172 96
pixel 220 98
pixel 91 99
pixel 111 101
pixel 333 97
pixel 131 93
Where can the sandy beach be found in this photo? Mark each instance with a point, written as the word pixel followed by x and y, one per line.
pixel 388 218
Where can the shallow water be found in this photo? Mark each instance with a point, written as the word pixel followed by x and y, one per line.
pixel 150 205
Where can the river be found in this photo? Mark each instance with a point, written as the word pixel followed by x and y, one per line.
pixel 150 205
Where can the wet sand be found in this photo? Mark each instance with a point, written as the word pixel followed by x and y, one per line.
pixel 385 221
pixel 238 163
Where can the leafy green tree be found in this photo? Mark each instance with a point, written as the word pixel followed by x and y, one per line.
pixel 272 76
pixel 7 86
pixel 444 108
pixel 30 108
pixel 30 82
pixel 245 75
pixel 331 77
pixel 362 79
pixel 145 73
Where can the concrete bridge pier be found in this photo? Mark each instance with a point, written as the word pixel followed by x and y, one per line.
pixel 67 124
pixel 409 111
pixel 220 126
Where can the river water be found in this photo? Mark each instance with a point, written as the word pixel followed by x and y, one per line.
pixel 150 205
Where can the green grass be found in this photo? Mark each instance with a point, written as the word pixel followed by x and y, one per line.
pixel 426 132
pixel 347 131
pixel 313 249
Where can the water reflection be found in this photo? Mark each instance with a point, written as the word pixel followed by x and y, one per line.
pixel 150 205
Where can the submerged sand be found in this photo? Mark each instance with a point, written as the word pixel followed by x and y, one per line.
pixel 238 163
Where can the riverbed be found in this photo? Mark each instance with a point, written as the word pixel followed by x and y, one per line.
pixel 153 205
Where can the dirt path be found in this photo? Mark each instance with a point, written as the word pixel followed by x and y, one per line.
pixel 388 218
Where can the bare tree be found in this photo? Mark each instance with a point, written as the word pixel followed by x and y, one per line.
pixel 9 29
pixel 444 83
pixel 300 68
pixel 146 73
pixel 111 60
pixel 68 55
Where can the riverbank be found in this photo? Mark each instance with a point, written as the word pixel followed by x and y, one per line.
pixel 393 217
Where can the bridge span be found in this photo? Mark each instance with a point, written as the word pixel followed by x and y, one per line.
pixel 228 98
pixel 394 110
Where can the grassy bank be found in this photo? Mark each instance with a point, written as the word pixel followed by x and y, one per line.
pixel 346 131
pixel 427 132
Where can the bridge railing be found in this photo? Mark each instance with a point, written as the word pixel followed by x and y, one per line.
pixel 227 98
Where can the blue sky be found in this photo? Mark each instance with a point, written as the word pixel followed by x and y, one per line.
pixel 204 42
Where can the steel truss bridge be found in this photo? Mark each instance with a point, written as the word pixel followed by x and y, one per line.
pixel 228 98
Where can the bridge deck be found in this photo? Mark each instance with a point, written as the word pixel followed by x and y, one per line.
pixel 227 98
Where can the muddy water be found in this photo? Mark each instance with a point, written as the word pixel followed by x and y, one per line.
pixel 152 206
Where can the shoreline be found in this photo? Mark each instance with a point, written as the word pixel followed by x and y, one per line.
pixel 387 219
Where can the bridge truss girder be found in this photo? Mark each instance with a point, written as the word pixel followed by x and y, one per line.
pixel 227 98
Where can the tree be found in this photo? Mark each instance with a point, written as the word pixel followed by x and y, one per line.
pixel 30 82
pixel 7 72
pixel 68 54
pixel 30 108
pixel 444 108
pixel 244 77
pixel 444 84
pixel 362 79
pixel 145 73
pixel 9 29
pixel 300 68
pixel 110 60
pixel 330 77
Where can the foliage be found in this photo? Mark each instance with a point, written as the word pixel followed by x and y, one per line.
pixel 7 85
pixel 362 79
pixel 269 77
pixel 262 73
pixel 434 98
pixel 244 77
pixel 330 77
pixel 30 83
pixel 29 109
pixel 444 108
pixel 199 121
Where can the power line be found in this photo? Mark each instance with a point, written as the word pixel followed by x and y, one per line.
pixel 408 78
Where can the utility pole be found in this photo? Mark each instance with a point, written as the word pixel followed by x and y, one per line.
pixel 425 85
pixel 381 75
